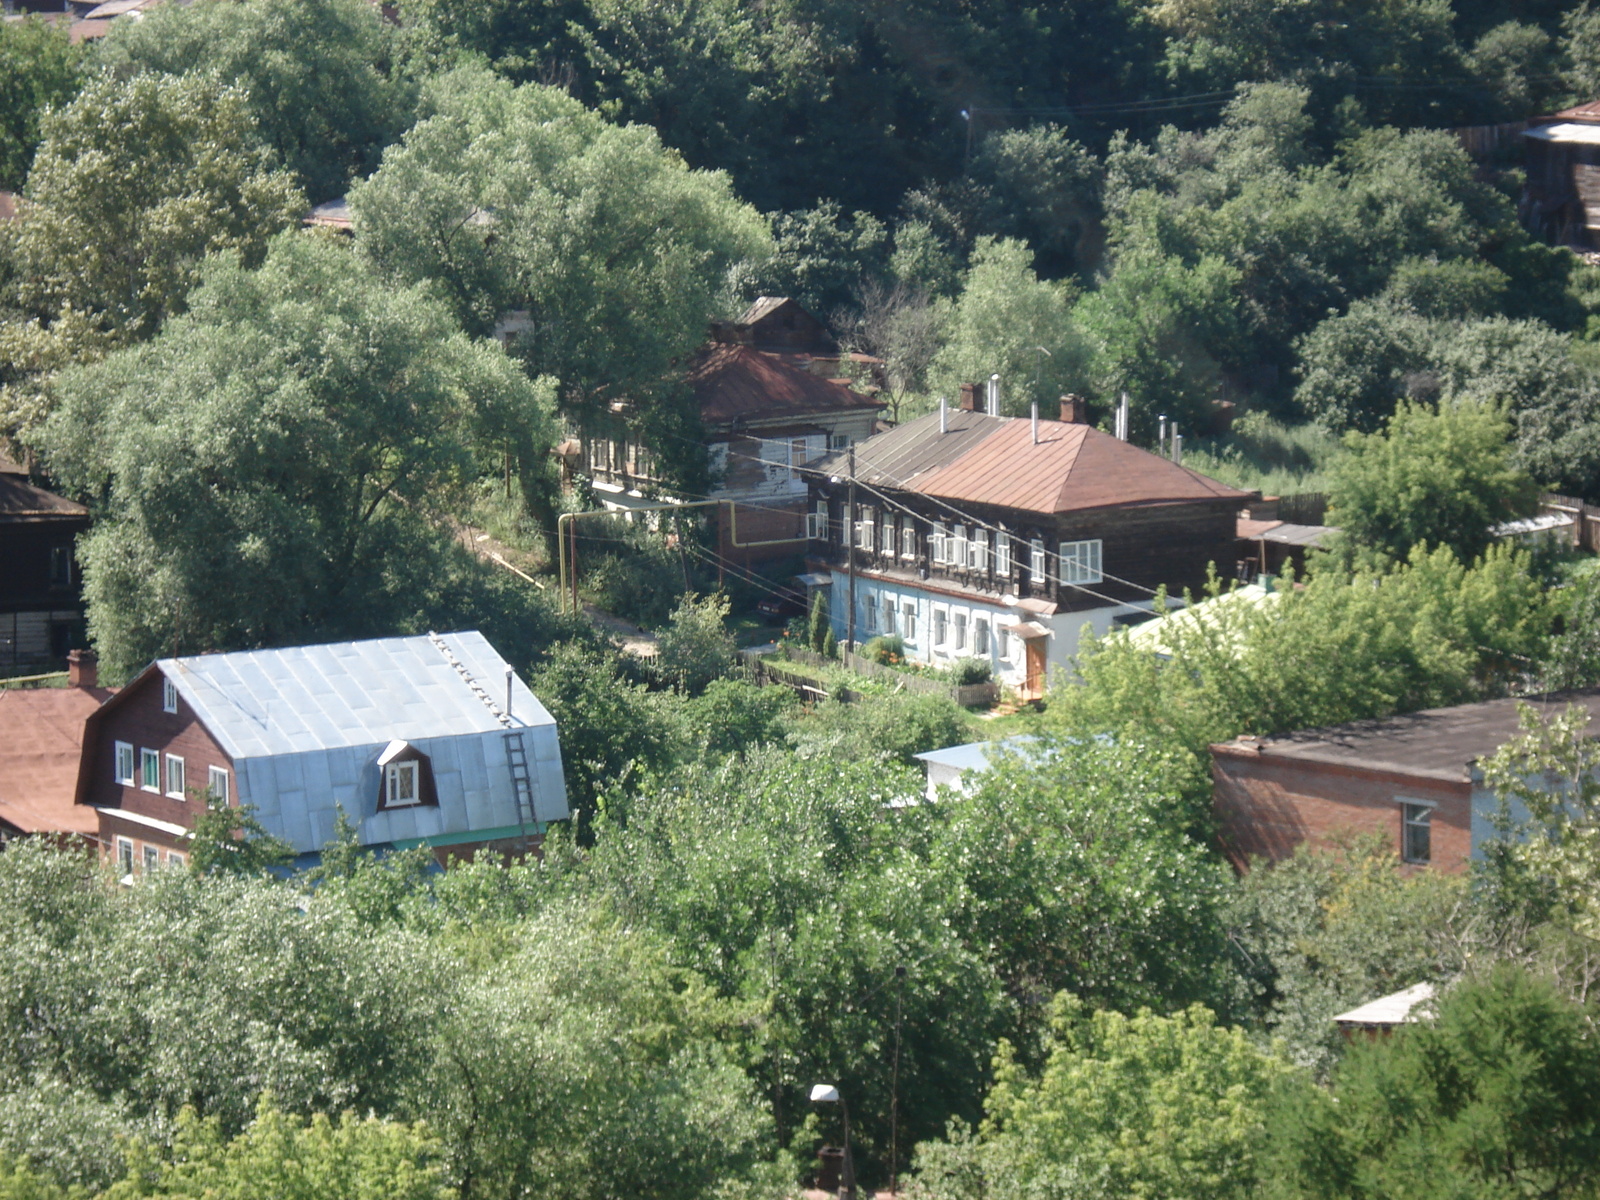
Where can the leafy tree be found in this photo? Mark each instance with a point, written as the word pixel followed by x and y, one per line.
pixel 19 1182
pixel 39 69
pixel 696 648
pixel 1045 190
pixel 229 840
pixel 733 717
pixel 1573 658
pixel 895 726
pixel 319 76
pixel 1010 322
pixel 817 623
pixel 522 199
pixel 267 467
pixel 1518 66
pixel 319 1159
pixel 1495 1096
pixel 900 325
pixel 134 183
pixel 1435 477
pixel 821 258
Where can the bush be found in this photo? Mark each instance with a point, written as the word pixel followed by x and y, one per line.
pixel 967 671
pixel 884 649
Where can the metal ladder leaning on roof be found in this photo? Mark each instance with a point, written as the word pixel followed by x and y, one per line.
pixel 521 783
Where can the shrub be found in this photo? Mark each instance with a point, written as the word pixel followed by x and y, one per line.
pixel 965 671
pixel 884 649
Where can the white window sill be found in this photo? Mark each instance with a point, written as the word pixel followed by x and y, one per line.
pixel 393 804
pixel 145 787
pixel 175 796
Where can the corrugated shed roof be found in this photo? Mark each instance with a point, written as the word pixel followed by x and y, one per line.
pixel 734 383
pixel 1398 1008
pixel 20 501
pixel 41 740
pixel 306 698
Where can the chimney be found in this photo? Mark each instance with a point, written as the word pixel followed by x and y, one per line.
pixel 969 397
pixel 944 416
pixel 83 669
pixel 1074 410
pixel 991 403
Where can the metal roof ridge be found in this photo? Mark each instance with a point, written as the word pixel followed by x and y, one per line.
pixel 477 688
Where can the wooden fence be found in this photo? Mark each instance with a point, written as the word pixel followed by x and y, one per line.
pixel 967 695
pixel 1585 519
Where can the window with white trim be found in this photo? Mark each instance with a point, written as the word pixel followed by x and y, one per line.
pixel 908 620
pixel 174 859
pixel 980 637
pixel 978 550
pixel 401 784
pixel 958 552
pixel 888 614
pixel 1416 833
pixel 864 530
pixel 936 542
pixel 1002 555
pixel 124 857
pixel 124 763
pixel 797 456
pixel 1036 560
pixel 169 696
pixel 869 615
pixel 175 777
pixel 941 626
pixel 908 538
pixel 217 783
pixel 1080 561
pixel 959 637
pixel 150 770
pixel 887 542
pixel 817 523
pixel 152 859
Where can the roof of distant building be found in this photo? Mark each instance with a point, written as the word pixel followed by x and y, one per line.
pixel 739 383
pixel 1438 743
pixel 1398 1008
pixel 1582 112
pixel 41 739
pixel 981 459
pixel 331 214
pixel 21 502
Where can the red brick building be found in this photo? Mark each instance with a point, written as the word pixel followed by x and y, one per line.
pixel 1412 779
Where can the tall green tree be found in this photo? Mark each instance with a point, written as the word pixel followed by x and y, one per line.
pixel 320 76
pixel 1440 476
pixel 40 69
pixel 269 468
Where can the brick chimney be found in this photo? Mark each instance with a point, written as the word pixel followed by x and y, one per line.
pixel 969 397
pixel 1074 410
pixel 83 669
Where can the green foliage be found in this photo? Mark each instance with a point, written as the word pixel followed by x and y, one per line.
pixel 820 258
pixel 319 76
pixel 631 572
pixel 18 1182
pixel 695 647
pixel 39 69
pixel 895 726
pixel 732 717
pixel 1573 659
pixel 229 840
pixel 818 625
pixel 966 671
pixel 277 1155
pixel 1142 1106
pixel 1432 477
pixel 884 648
pixel 1261 454
pixel 1044 190
pixel 136 182
pixel 269 465
pixel 1495 1097
pixel 1002 316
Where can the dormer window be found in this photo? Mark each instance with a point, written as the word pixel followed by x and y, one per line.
pixel 169 696
pixel 405 777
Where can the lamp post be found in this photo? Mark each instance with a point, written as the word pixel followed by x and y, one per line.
pixel 826 1093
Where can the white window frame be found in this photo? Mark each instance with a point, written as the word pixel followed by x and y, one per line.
pixel 886 537
pixel 391 781
pixel 908 618
pixel 864 530
pixel 176 859
pixel 869 614
pixel 797 456
pixel 125 857
pixel 908 538
pixel 177 793
pixel 941 627
pixel 1036 564
pixel 960 622
pixel 980 636
pixel 122 764
pixel 1002 555
pixel 146 758
pixel 958 557
pixel 214 776
pixel 978 550
pixel 151 859
pixel 936 542
pixel 169 695
pixel 1080 561
pixel 817 522
pixel 1416 814
pixel 891 609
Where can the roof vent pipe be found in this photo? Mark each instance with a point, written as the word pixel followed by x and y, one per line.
pixel 1035 422
pixel 1161 437
pixel 509 677
pixel 1177 446
pixel 992 407
pixel 944 416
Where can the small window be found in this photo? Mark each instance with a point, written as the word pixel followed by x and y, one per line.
pixel 936 542
pixel 400 785
pixel 908 621
pixel 124 763
pixel 1036 560
pixel 150 770
pixel 124 857
pixel 61 566
pixel 864 530
pixel 941 627
pixel 888 614
pixel 175 777
pixel 887 541
pixel 1002 555
pixel 152 860
pixel 980 637
pixel 839 441
pixel 169 696
pixel 960 623
pixel 797 456
pixel 217 784
pixel 817 523
pixel 869 614
pixel 1416 833
pixel 1080 562
pixel 958 554
pixel 908 538
pixel 978 550
pixel 174 859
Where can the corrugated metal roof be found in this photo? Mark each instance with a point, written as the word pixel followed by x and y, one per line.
pixel 975 755
pixel 734 383
pixel 1398 1008
pixel 901 456
pixel 306 698
pixel 763 306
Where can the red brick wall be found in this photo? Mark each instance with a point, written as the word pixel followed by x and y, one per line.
pixel 764 521
pixel 1268 806
pixel 136 716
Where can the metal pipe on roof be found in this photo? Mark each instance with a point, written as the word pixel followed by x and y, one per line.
pixel 992 400
pixel 944 416
pixel 1035 422
pixel 509 676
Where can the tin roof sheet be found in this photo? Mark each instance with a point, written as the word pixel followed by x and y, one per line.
pixel 734 383
pixel 901 456
pixel 1398 1008
pixel 306 698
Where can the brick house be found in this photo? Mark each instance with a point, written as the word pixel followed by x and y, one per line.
pixel 1412 779
pixel 1000 538
pixel 426 740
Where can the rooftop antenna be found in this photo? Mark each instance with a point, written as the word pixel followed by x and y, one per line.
pixel 1035 422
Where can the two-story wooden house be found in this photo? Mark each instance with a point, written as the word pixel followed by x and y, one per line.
pixel 429 740
pixel 1003 538
pixel 41 603
pixel 768 404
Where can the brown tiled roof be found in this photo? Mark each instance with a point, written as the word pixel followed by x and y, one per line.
pixel 993 460
pixel 736 383
pixel 21 501
pixel 41 740
pixel 1584 112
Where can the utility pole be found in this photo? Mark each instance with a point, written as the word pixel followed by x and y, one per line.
pixel 850 555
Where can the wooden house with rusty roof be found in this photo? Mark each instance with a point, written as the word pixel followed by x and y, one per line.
pixel 1002 538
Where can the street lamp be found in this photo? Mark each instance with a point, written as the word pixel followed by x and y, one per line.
pixel 826 1093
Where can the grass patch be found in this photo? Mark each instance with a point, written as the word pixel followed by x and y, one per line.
pixel 1266 455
